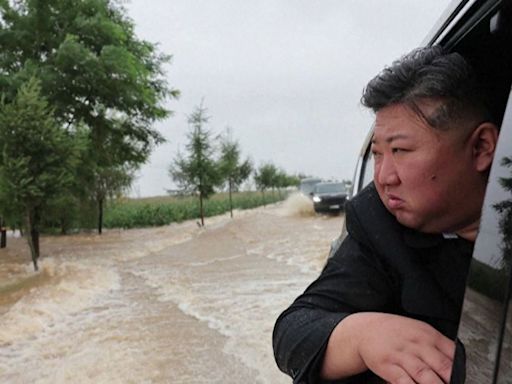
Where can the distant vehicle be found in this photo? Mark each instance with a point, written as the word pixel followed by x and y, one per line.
pixel 307 185
pixel 329 197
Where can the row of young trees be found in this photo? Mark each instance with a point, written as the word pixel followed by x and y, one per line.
pixel 268 176
pixel 215 162
pixel 79 96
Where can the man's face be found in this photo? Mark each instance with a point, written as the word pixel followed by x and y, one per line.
pixel 424 177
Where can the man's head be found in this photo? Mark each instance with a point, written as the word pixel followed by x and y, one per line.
pixel 433 141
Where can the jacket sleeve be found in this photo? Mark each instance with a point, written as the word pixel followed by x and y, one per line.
pixel 353 280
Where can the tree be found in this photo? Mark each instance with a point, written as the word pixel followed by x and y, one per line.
pixel 269 176
pixel 284 180
pixel 266 177
pixel 504 209
pixel 232 170
pixel 197 172
pixel 93 70
pixel 293 181
pixel 110 181
pixel 37 158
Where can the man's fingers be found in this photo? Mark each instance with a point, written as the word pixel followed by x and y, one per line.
pixel 446 346
pixel 440 357
pixel 394 374
pixel 440 363
pixel 431 367
pixel 421 372
pixel 414 373
pixel 407 351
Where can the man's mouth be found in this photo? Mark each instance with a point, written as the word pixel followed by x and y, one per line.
pixel 394 202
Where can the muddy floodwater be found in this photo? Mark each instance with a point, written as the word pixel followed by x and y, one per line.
pixel 174 304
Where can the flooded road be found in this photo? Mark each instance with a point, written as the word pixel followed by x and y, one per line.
pixel 175 304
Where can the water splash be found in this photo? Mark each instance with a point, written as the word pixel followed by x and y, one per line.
pixel 68 288
pixel 297 204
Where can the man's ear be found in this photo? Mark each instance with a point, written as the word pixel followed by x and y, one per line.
pixel 483 142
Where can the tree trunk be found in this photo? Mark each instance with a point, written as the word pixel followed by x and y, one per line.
pixel 3 238
pixel 201 213
pixel 100 216
pixel 35 238
pixel 230 199
pixel 63 227
pixel 32 237
pixel 3 234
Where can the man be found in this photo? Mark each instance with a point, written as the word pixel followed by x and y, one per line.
pixel 387 304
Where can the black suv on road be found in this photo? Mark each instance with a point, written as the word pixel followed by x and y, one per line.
pixel 329 197
pixel 482 32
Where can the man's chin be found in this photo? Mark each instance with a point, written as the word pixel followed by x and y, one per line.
pixel 408 220
pixel 412 222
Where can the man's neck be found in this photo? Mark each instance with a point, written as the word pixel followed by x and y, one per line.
pixel 469 232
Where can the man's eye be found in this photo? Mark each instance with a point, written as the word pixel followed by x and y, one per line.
pixel 398 150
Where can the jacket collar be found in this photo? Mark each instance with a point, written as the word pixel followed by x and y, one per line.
pixel 417 239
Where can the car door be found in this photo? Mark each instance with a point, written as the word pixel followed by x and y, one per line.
pixel 482 32
pixel 484 352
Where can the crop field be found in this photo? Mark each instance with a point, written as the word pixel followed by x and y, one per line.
pixel 163 210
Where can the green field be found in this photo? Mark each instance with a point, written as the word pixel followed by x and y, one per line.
pixel 163 210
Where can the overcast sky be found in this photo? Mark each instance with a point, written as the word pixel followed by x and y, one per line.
pixel 285 75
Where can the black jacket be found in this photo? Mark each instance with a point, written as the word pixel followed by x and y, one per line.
pixel 381 266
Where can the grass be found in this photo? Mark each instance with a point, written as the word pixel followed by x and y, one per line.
pixel 163 210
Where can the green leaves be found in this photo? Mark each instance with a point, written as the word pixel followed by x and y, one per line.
pixel 105 86
pixel 93 70
pixel 269 176
pixel 37 155
pixel 266 176
pixel 198 171
pixel 233 171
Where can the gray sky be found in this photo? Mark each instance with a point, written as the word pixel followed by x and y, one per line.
pixel 285 75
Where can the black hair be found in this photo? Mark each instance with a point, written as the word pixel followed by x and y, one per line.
pixel 429 73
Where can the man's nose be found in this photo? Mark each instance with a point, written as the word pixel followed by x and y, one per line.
pixel 386 172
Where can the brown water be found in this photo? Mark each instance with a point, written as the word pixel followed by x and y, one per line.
pixel 175 304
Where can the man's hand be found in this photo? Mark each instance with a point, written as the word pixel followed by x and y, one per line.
pixel 398 349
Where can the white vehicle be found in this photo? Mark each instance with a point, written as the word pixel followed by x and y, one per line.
pixel 307 185
pixel 481 31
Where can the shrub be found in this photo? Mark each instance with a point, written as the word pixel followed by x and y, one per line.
pixel 163 210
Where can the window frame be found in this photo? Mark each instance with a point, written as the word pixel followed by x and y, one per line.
pixel 456 25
